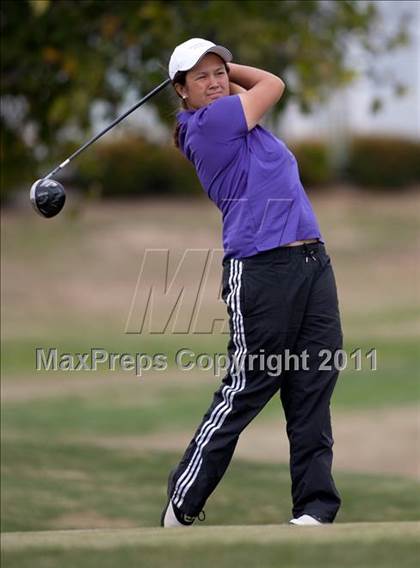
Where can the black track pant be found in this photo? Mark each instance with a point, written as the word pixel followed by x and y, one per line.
pixel 281 303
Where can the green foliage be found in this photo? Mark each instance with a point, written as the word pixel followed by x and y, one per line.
pixel 384 162
pixel 314 164
pixel 372 162
pixel 133 167
pixel 59 57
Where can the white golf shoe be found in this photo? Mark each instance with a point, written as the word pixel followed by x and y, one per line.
pixel 170 519
pixel 305 520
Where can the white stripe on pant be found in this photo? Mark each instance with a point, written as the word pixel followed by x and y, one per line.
pixel 221 411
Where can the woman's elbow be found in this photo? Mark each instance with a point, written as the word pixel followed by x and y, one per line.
pixel 279 86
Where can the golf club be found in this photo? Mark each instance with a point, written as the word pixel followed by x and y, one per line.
pixel 47 195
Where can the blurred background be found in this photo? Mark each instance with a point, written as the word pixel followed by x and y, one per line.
pixel 93 449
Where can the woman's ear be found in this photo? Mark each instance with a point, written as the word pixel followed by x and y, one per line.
pixel 179 92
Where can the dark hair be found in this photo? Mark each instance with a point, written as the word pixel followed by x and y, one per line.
pixel 181 78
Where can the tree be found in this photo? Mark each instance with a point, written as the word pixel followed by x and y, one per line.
pixel 58 57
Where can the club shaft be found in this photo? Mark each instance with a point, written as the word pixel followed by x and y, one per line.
pixel 105 130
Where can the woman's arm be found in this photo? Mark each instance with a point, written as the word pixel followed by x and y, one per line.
pixel 236 89
pixel 262 90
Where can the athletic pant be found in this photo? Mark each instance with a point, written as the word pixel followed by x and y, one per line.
pixel 283 312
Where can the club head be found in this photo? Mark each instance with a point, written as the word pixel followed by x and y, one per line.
pixel 47 197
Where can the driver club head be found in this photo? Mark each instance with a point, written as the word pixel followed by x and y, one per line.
pixel 47 197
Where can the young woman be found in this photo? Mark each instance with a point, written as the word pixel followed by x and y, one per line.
pixel 278 285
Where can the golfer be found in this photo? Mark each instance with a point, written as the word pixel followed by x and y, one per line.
pixel 278 284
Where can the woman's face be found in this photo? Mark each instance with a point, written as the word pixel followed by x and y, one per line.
pixel 205 82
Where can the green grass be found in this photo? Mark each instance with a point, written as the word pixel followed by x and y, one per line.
pixel 396 358
pixel 396 380
pixel 55 473
pixel 19 358
pixel 382 553
pixel 63 484
pixel 134 413
pixel 361 546
pixel 144 406
pixel 150 405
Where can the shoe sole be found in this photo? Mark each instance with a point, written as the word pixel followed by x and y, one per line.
pixel 168 494
pixel 162 517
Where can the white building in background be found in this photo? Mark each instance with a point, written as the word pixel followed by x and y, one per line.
pixel 348 110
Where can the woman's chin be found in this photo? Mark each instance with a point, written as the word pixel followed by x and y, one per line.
pixel 215 97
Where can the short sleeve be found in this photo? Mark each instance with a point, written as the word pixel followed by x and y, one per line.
pixel 224 120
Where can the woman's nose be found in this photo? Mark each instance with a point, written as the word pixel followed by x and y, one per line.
pixel 214 80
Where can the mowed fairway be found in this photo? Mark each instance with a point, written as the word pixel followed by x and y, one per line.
pixel 85 455
pixel 362 545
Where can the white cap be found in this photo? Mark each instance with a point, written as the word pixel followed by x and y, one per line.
pixel 189 53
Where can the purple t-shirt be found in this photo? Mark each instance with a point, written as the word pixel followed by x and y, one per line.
pixel 251 176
